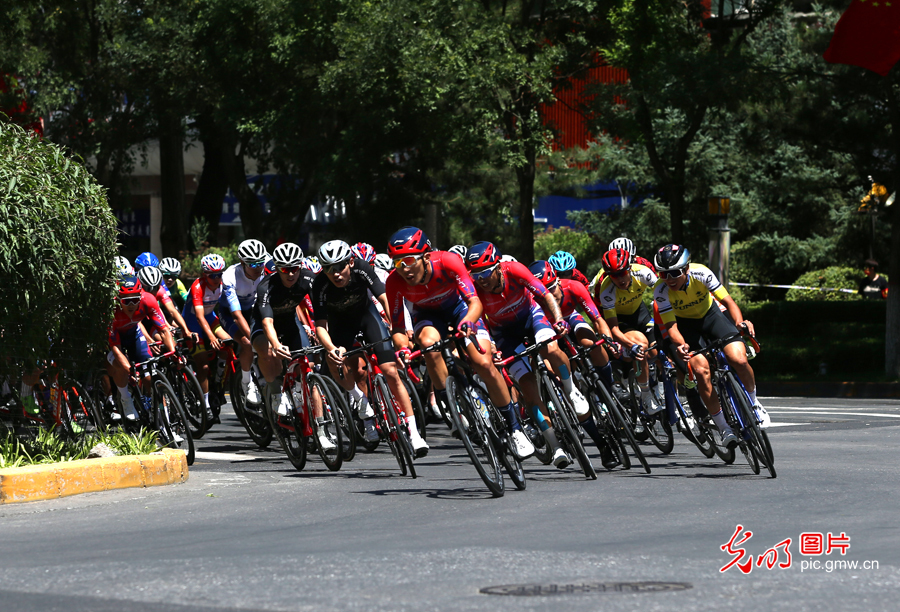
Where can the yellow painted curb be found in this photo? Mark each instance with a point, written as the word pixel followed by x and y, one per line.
pixel 37 482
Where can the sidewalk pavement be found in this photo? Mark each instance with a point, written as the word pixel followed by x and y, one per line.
pixel 859 390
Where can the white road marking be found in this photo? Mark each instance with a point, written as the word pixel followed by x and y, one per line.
pixel 826 412
pixel 786 424
pixel 224 456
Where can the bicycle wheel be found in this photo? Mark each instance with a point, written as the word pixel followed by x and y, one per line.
pixel 83 413
pixel 288 429
pixel 189 392
pixel 702 440
pixel 416 401
pixel 345 419
pixel 729 408
pixel 474 437
pixel 604 421
pixel 330 426
pixel 715 438
pixel 660 431
pixel 751 425
pixel 387 423
pixel 174 424
pixel 568 435
pixel 617 414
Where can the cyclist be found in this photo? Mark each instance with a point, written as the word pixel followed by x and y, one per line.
pixel 127 343
pixel 344 309
pixel 152 282
pixel 200 315
pixel 239 284
pixel 383 262
pixel 145 260
pixel 459 249
pixel 171 270
pixel 621 297
pixel 564 264
pixel 441 294
pixel 686 305
pixel 509 292
pixel 276 327
pixel 363 251
pixel 123 267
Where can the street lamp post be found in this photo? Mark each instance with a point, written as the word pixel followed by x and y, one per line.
pixel 719 237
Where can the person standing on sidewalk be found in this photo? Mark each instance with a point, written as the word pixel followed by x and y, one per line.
pixel 873 286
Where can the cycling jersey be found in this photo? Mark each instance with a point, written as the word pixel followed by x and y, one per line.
pixel 202 296
pixel 576 297
pixel 162 294
pixel 123 325
pixel 239 292
pixel 694 300
pixel 514 302
pixel 448 286
pixel 616 302
pixel 579 277
pixel 275 301
pixel 351 300
pixel 594 286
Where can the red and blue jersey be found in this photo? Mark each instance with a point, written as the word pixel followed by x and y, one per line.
pixel 202 296
pixel 514 303
pixel 576 297
pixel 449 285
pixel 148 310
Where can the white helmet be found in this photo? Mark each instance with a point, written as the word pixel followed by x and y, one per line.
pixel 150 278
pixel 287 255
pixel 170 266
pixel 508 258
pixel 212 263
pixel 383 261
pixel 333 252
pixel 123 267
pixel 252 251
pixel 460 250
pixel 623 243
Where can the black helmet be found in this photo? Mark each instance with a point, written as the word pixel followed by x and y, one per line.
pixel 672 257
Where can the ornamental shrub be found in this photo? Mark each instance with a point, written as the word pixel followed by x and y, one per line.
pixel 585 249
pixel 834 277
pixel 57 245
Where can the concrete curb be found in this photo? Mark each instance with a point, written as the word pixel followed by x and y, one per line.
pixel 53 480
pixel 859 390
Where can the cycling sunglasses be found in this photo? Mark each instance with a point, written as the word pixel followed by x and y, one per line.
pixel 130 301
pixel 671 273
pixel 289 269
pixel 407 262
pixel 170 276
pixel 336 267
pixel 484 274
pixel 621 274
pixel 255 264
pixel 216 275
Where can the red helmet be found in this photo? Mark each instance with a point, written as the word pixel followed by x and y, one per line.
pixel 616 261
pixel 130 286
pixel 482 255
pixel 408 241
pixel 544 272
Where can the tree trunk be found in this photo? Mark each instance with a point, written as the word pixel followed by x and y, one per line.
pixel 171 164
pixel 892 323
pixel 214 179
pixel 525 175
pixel 251 210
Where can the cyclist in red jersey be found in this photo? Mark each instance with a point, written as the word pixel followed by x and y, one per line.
pixel 509 292
pixel 563 263
pixel 127 342
pixel 152 281
pixel 437 286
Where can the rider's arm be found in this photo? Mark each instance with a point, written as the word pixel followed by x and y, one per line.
pixel 736 315
pixel 200 313
pixel 268 325
pixel 176 316
pixel 323 335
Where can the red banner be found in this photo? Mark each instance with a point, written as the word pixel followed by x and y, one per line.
pixel 868 36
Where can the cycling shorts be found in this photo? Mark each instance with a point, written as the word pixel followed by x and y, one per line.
pixel 510 339
pixel 289 330
pixel 640 321
pixel 442 320
pixel 714 325
pixel 230 325
pixel 343 331
pixel 133 343
pixel 576 321
pixel 190 319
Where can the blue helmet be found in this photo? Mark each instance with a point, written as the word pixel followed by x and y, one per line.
pixel 482 255
pixel 562 261
pixel 145 260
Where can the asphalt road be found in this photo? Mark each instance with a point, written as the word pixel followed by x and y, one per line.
pixel 248 532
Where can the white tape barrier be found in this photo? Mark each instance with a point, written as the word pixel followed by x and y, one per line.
pixel 793 287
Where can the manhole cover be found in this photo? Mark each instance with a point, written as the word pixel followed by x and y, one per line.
pixel 534 590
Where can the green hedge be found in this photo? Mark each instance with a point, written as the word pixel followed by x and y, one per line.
pixel 57 245
pixel 835 277
pixel 798 337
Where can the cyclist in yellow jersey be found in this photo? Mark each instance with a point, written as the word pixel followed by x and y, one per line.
pixel 684 295
pixel 621 298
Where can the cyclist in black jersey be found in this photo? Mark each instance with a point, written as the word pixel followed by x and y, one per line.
pixel 342 310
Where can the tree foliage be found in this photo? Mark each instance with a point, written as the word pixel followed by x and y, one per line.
pixel 57 245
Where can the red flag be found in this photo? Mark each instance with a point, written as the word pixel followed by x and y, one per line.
pixel 868 36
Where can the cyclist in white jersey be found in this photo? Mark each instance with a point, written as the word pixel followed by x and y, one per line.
pixel 239 284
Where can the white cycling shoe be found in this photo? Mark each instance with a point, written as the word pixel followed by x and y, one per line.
pixel 420 446
pixel 325 443
pixel 521 445
pixel 762 416
pixel 561 459
pixel 251 393
pixel 282 404
pixel 130 412
pixel 579 402
pixel 729 440
pixel 651 405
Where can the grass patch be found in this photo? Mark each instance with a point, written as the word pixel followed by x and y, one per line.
pixel 47 447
